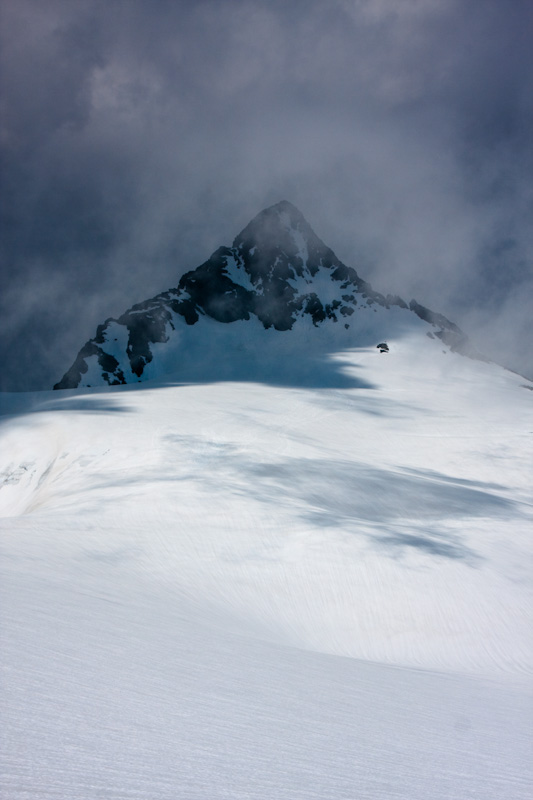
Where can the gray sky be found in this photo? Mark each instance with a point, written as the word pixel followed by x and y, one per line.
pixel 137 137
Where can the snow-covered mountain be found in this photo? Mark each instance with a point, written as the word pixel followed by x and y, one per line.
pixel 307 578
pixel 278 276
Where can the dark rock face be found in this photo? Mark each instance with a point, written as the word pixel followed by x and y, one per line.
pixel 268 272
pixel 213 292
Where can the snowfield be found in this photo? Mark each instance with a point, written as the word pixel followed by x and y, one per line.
pixel 271 588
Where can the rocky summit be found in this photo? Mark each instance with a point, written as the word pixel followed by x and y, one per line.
pixel 277 273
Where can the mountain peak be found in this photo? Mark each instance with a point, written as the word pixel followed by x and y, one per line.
pixel 275 222
pixel 280 235
pixel 283 213
pixel 277 274
pixel 284 207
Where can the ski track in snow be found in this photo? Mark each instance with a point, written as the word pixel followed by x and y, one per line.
pixel 244 590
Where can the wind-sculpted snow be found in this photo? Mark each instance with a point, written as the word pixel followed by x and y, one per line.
pixel 306 586
pixel 277 273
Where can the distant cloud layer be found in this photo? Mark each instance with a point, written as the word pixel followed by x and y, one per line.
pixel 137 137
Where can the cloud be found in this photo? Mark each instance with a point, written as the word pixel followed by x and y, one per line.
pixel 135 141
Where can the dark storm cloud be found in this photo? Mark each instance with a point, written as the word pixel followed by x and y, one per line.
pixel 137 137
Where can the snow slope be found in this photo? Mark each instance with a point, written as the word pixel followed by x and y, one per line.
pixel 271 587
